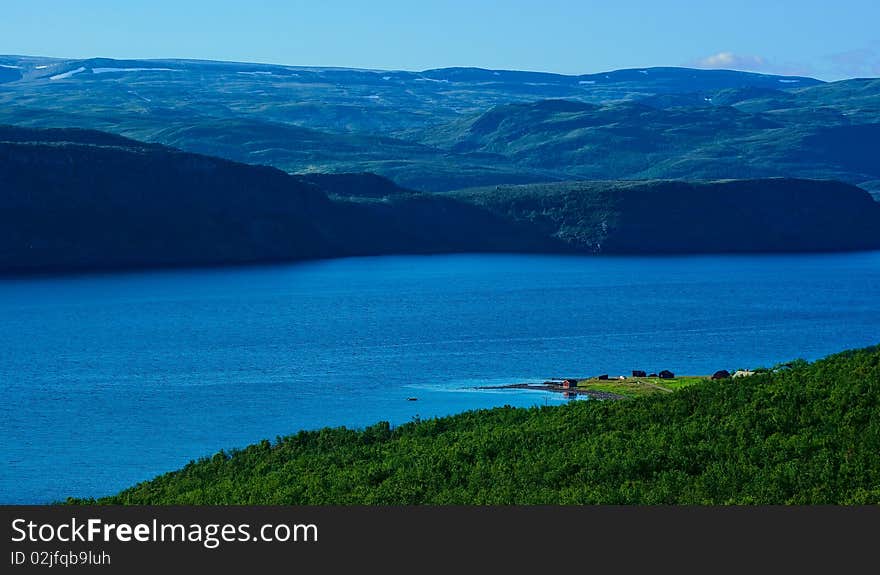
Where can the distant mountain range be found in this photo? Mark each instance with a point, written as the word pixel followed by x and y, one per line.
pixel 453 128
pixel 75 199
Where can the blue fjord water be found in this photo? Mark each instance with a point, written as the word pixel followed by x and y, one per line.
pixel 111 379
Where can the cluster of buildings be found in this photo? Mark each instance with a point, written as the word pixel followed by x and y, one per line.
pixel 571 383
pixel 665 374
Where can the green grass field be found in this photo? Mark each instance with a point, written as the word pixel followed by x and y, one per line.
pixel 640 386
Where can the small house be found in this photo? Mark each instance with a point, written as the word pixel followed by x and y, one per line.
pixel 652 375
pixel 721 374
pixel 666 374
pixel 569 383
pixel 639 373
pixel 603 377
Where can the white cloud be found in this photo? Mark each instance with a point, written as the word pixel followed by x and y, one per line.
pixel 750 63
pixel 861 62
pixel 731 61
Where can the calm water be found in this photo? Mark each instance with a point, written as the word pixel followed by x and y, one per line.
pixel 108 380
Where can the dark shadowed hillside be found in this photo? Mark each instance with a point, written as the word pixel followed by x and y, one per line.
pixel 75 199
pixel 768 215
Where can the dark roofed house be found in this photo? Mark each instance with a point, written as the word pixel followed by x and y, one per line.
pixel 666 374
pixel 604 376
pixel 639 373
pixel 721 374
pixel 569 383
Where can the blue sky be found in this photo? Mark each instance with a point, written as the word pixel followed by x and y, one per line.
pixel 829 40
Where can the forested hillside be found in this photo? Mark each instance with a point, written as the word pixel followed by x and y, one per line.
pixel 802 434
pixel 78 199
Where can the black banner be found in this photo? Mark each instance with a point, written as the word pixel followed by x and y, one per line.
pixel 408 539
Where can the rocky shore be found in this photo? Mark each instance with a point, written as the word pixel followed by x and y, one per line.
pixel 549 386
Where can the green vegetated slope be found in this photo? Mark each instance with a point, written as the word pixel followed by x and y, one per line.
pixel 339 100
pixel 77 199
pixel 775 214
pixel 808 434
pixel 828 131
pixel 73 199
pixel 440 130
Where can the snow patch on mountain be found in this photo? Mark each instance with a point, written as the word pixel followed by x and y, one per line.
pixel 65 75
pixel 111 70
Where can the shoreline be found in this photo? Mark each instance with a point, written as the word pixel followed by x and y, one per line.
pixel 591 393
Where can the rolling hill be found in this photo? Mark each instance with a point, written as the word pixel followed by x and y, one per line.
pixel 430 130
pixel 663 217
pixel 801 434
pixel 77 199
pixel 748 135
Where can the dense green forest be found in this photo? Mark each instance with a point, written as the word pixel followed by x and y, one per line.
pixel 663 216
pixel 80 199
pixel 807 433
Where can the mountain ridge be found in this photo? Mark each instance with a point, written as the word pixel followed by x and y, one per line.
pixel 81 200
pixel 337 120
pixel 463 72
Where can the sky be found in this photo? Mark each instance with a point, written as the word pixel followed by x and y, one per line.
pixel 827 40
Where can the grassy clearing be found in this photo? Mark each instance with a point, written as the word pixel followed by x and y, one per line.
pixel 640 386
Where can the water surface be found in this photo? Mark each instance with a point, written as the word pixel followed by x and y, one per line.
pixel 110 379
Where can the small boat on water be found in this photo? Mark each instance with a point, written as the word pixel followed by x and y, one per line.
pixel 412 398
